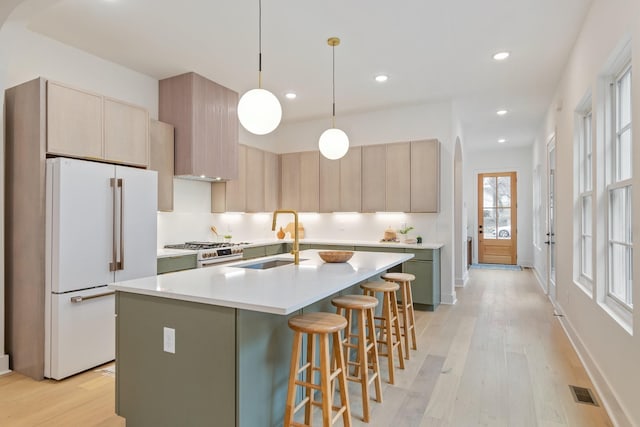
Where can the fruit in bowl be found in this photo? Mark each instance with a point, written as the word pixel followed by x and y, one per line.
pixel 335 256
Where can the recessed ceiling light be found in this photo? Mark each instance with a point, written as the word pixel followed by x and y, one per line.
pixel 501 112
pixel 290 95
pixel 382 78
pixel 502 140
pixel 501 56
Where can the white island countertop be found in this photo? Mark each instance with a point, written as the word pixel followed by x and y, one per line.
pixel 280 290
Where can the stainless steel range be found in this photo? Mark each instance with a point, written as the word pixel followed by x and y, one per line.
pixel 212 253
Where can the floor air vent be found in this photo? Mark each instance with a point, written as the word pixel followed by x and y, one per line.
pixel 583 395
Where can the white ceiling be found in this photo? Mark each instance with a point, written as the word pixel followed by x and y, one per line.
pixel 432 50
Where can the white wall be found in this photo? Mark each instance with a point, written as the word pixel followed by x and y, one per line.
pixel 505 160
pixel 610 353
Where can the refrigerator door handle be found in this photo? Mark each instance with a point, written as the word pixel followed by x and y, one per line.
pixel 113 265
pixel 79 299
pixel 121 262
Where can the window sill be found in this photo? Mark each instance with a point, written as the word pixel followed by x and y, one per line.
pixel 623 317
pixel 587 288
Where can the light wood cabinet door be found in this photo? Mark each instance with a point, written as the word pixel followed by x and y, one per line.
pixel 309 181
pixel 290 181
pixel 329 185
pixel 425 176
pixel 161 160
pixel 373 178
pixel 271 181
pixel 255 185
pixel 126 133
pixel 351 181
pixel 236 196
pixel 398 177
pixel 218 197
pixel 74 122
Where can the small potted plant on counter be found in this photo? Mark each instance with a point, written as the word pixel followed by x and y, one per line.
pixel 404 231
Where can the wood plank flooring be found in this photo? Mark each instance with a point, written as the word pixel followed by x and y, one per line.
pixel 497 358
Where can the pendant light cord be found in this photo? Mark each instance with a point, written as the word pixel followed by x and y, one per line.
pixel 333 117
pixel 260 44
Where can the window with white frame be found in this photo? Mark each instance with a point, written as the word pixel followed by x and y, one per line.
pixel 619 213
pixel 585 195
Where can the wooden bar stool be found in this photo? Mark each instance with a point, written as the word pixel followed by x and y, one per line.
pixel 332 367
pixel 359 310
pixel 389 325
pixel 406 308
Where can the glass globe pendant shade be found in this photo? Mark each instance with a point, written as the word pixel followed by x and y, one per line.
pixel 259 111
pixel 333 143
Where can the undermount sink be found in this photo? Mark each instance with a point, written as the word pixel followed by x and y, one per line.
pixel 265 265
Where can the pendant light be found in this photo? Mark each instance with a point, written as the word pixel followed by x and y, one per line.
pixel 333 143
pixel 259 110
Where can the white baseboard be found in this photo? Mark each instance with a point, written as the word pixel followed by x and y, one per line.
pixel 448 299
pixel 462 282
pixel 607 395
pixel 4 364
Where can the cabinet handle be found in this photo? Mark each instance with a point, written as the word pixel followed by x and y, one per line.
pixel 80 299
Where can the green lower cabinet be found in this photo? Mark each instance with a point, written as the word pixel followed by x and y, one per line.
pixel 276 249
pixel 264 343
pixel 193 385
pixel 426 287
pixel 332 247
pixel 255 252
pixel 177 263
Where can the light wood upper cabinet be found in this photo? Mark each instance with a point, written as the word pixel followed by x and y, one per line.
pixel 271 181
pixel 351 181
pixel 340 182
pixel 74 122
pixel 309 181
pixel 87 125
pixel 300 175
pixel 161 160
pixel 398 177
pixel 205 116
pixel 374 178
pixel 329 185
pixel 290 181
pixel 425 176
pixel 386 177
pixel 236 197
pixel 126 133
pixel 255 185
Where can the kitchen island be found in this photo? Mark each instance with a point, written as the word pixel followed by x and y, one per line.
pixel 211 346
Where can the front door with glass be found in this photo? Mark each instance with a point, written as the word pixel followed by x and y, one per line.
pixel 497 218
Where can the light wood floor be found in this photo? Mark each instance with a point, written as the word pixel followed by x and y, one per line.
pixel 497 358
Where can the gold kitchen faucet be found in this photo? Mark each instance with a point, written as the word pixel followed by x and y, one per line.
pixel 296 246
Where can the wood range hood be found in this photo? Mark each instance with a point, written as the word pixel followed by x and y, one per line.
pixel 205 117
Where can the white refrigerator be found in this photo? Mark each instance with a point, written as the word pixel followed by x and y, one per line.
pixel 101 227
